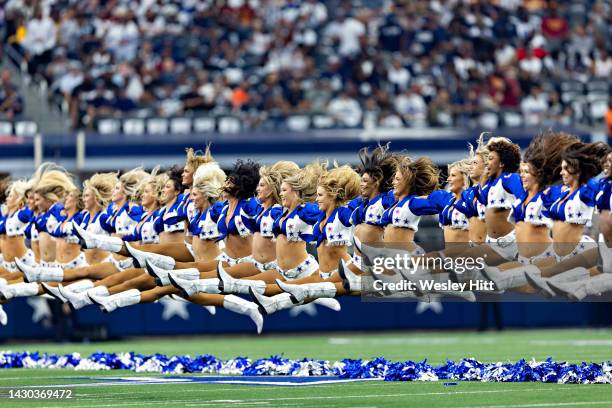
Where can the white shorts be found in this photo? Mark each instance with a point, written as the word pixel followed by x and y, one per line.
pixel 233 261
pixel 263 267
pixel 77 262
pixel 505 246
pixel 585 243
pixel 547 253
pixel 306 268
pixel 28 259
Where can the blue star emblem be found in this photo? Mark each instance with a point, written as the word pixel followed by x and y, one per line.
pixel 396 220
pixel 501 200
pixel 579 214
pixel 307 262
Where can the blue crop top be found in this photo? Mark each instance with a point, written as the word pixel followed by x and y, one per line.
pixel 65 229
pixel 172 218
pixel 407 212
pixel 122 221
pixel 146 231
pixel 371 211
pixel 49 220
pixel 536 211
pixel 504 191
pixel 448 213
pixel 96 224
pixel 204 224
pixel 298 224
pixel 240 222
pixel 16 223
pixel 604 193
pixel 338 230
pixel 575 207
pixel 264 221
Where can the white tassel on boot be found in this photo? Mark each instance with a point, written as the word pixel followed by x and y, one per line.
pixel 191 287
pixel 239 305
pixel 93 241
pixel 269 305
pixel 122 299
pixel 308 290
pixel 141 257
pixel 510 278
pixel 231 285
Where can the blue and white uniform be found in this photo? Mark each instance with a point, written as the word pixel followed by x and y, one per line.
pixel 263 224
pixel 95 224
pixel 448 214
pixel 15 224
pixel 203 224
pixel 369 212
pixel 604 195
pixel 121 221
pixel 298 226
pixel 65 230
pixel 337 231
pixel 407 212
pixel 173 218
pixel 535 212
pixel 147 229
pixel 576 208
pixel 47 222
pixel 238 223
pixel 502 193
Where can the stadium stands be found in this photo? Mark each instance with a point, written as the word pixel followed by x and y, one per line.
pixel 235 65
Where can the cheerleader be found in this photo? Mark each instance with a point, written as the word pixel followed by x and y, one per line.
pixel 572 213
pixel 333 235
pixel 16 219
pixel 293 230
pixel 264 248
pixel 473 201
pixel 235 223
pixel 540 170
pixel 119 218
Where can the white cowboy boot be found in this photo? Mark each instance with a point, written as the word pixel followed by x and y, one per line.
pixel 112 302
pixel 87 240
pixel 229 284
pixel 239 305
pixel 191 287
pixel 140 258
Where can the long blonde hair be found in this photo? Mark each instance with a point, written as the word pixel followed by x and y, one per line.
pixel 19 187
pixel 342 182
pixel 275 174
pixel 209 179
pixel 196 158
pixel 305 182
pixel 101 185
pixel 54 185
pixel 131 182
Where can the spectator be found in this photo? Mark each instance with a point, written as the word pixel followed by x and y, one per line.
pixel 39 41
pixel 609 117
pixel 11 103
pixel 345 110
pixel 534 107
pixel 412 108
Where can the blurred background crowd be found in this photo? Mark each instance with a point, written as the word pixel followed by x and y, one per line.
pixel 362 63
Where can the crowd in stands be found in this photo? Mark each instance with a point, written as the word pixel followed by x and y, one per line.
pixel 364 62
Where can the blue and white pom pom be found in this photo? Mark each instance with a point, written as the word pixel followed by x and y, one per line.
pixel 547 371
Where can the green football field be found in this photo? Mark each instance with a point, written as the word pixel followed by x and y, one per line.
pixel 509 346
